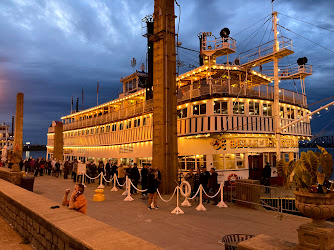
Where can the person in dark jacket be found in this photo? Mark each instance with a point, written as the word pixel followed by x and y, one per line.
pixel 144 173
pixel 213 185
pixel 100 169
pixel 134 176
pixel 204 179
pixel 267 176
pixel 152 186
pixel 114 169
pixel 108 172
pixel 197 181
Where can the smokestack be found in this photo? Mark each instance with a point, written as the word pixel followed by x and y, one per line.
pixel 150 32
pixel 13 125
pixel 200 37
pixel 77 105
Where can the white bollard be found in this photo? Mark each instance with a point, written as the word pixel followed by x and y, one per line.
pixel 128 184
pixel 177 210
pixel 221 203
pixel 200 206
pixel 82 180
pixel 114 187
pixel 101 181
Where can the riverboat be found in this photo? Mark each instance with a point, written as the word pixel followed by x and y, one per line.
pixel 226 113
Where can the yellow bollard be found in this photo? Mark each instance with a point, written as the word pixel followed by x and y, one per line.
pixel 99 196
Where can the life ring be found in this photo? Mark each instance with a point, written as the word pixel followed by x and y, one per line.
pixel 187 188
pixel 232 178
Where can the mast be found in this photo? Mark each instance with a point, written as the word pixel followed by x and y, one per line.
pixel 277 126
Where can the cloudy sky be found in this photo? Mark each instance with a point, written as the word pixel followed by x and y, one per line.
pixel 51 49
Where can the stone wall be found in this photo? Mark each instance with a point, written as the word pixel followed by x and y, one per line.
pixel 31 215
pixel 13 177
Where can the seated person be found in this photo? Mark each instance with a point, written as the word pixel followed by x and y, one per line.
pixel 77 200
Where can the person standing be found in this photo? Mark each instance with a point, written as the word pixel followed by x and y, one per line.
pixel 135 176
pixel 144 173
pixel 57 165
pixel 204 179
pixel 121 175
pixel 152 186
pixel 197 180
pixel 108 172
pixel 267 176
pixel 75 169
pixel 213 185
pixel 114 169
pixel 190 179
pixel 100 170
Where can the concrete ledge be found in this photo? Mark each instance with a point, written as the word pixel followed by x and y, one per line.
pixel 59 228
pixel 13 177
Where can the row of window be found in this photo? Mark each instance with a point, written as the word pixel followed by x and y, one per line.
pixel 221 107
pixel 111 127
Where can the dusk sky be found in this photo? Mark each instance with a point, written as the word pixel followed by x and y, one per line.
pixel 51 49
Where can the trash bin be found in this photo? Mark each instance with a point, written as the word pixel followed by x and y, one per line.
pixel 231 241
pixel 27 182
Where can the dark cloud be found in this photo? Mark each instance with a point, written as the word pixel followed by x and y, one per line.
pixel 52 49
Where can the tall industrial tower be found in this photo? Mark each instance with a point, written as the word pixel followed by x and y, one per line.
pixel 164 94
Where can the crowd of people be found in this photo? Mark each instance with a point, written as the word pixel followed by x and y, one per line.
pixel 147 176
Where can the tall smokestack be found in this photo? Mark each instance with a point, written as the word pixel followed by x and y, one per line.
pixel 13 125
pixel 77 105
pixel 150 32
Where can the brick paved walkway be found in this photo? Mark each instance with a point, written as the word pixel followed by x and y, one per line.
pixel 196 230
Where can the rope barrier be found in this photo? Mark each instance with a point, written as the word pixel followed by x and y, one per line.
pixel 211 196
pixel 120 184
pixel 114 189
pixel 139 190
pixel 106 179
pixel 195 195
pixel 163 198
pixel 93 178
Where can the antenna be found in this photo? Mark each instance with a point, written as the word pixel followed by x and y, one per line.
pixel 133 63
pixel 142 67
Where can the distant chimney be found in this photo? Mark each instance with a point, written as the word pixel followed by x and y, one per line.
pixel 77 105
pixel 13 125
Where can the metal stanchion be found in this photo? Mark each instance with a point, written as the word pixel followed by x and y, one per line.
pixel 114 187
pixel 128 185
pixel 200 206
pixel 177 210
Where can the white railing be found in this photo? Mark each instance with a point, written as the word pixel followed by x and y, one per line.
pixel 218 43
pixel 265 50
pixel 265 92
pixel 137 109
pixel 290 70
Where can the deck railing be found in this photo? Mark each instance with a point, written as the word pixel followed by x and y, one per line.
pixel 265 49
pixel 265 92
pixel 219 43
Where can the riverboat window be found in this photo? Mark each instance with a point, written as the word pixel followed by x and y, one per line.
pixel 92 131
pixel 113 127
pixel 108 129
pixel 136 123
pixel 87 131
pixel 220 107
pixel 254 108
pixel 75 133
pixel 96 130
pixel 144 160
pixel 282 112
pixel 128 124
pixel 130 85
pixel 199 109
pixel 182 113
pixel 229 161
pixel 192 161
pixel 146 121
pixel 267 111
pixel 102 129
pixel 79 132
pixel 290 112
pixel 121 126
pixel 239 108
pixel 300 113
